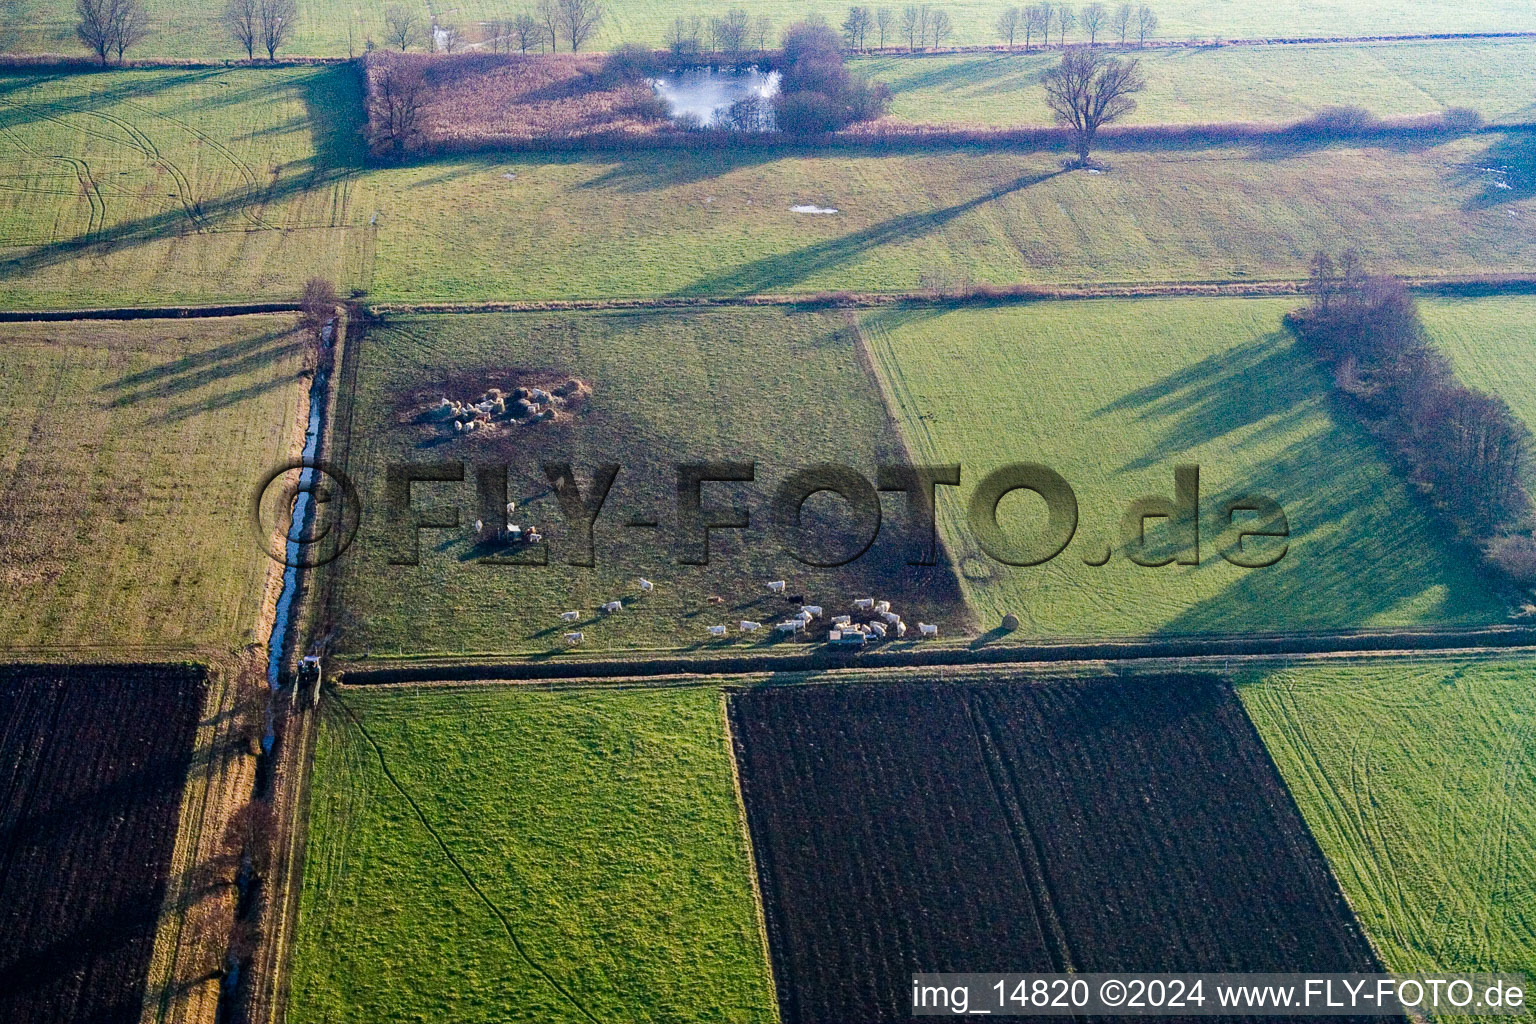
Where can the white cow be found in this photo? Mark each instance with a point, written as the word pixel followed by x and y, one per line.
pixel 901 628
pixel 646 586
pixel 569 616
pixel 777 586
pixel 841 620
pixel 881 607
pixel 812 609
pixel 891 618
pixel 864 604
pixel 747 626
pixel 790 626
pixel 613 606
pixel 717 631
pixel 877 629
pixel 928 629
pixel 574 638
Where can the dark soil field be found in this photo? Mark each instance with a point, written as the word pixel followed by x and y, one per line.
pixel 1092 825
pixel 92 763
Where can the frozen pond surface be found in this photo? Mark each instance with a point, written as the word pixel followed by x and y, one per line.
pixel 706 95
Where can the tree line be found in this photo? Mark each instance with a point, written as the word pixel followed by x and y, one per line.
pixel 1466 450
pixel 924 26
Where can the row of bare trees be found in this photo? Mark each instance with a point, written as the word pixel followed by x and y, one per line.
pixel 735 32
pixel 109 27
pixel 266 24
pixel 1123 23
pixel 923 26
pixel 1465 449
pixel 543 27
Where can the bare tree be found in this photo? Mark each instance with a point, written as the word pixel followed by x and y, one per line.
pixel 1066 20
pixel 885 24
pixel 682 36
pixel 527 31
pixel 1094 18
pixel 1146 23
pixel 395 109
pixel 762 31
pixel 1088 90
pixel 240 20
pixel 402 26
pixel 548 13
pixel 924 20
pixel 1120 21
pixel 733 30
pixel 578 19
pixel 857 27
pixel 909 23
pixel 942 26
pixel 94 28
pixel 450 37
pixel 277 20
pixel 1036 18
pixel 130 24
pixel 1008 24
pixel 712 34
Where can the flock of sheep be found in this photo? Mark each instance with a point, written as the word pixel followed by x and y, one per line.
pixel 521 404
pixel 844 632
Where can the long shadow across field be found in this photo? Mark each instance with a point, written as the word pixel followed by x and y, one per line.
pixel 786 269
pixel 1355 552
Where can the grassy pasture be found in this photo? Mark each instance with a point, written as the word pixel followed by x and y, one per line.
pixel 601 829
pixel 341 27
pixel 1415 778
pixel 1112 395
pixel 781 388
pixel 1235 83
pixel 130 451
pixel 1490 342
pixel 142 187
pixel 719 223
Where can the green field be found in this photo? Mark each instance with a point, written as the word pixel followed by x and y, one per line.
pixel 1112 395
pixel 1415 778
pixel 1490 341
pixel 1233 83
pixel 158 187
pixel 720 224
pixel 505 853
pixel 144 187
pixel 342 27
pixel 130 454
pixel 779 388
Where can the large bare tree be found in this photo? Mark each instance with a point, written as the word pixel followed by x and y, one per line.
pixel 1066 20
pixel 527 31
pixel 395 109
pixel 1146 23
pixel 942 26
pixel 241 21
pixel 885 24
pixel 94 27
pixel 1094 18
pixel 278 18
pixel 402 25
pixel 1008 24
pixel 1088 90
pixel 1120 21
pixel 578 19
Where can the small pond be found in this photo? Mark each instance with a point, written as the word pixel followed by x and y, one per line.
pixel 720 97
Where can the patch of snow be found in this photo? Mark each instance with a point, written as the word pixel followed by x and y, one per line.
pixel 811 208
pixel 510 176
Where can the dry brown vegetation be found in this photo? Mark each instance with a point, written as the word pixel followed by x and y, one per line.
pixel 487 99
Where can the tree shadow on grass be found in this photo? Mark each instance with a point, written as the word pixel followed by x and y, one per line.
pixel 200 369
pixel 1263 382
pixel 788 269
pixel 1505 172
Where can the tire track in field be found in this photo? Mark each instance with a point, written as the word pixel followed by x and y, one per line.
pixel 87 183
pixel 151 150
pixel 246 171
pixel 469 880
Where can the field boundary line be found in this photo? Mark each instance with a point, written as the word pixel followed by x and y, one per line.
pixel 1491 641
pixel 1458 285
